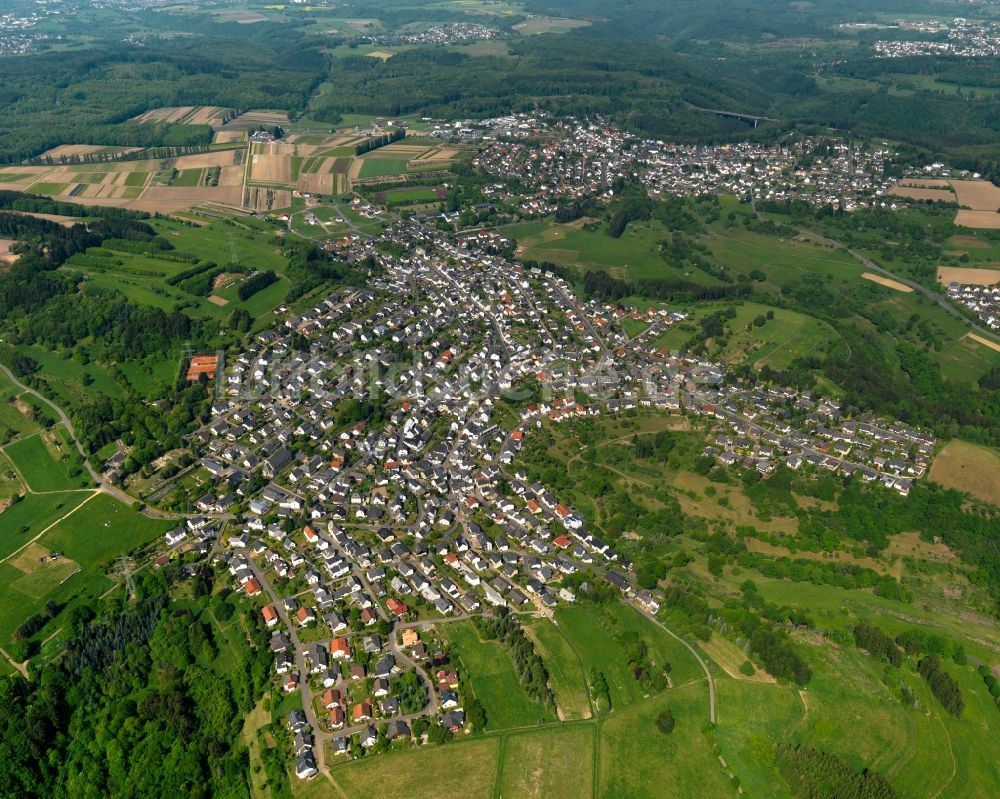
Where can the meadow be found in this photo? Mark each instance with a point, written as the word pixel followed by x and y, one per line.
pixel 969 468
pixel 47 463
pixel 486 667
pixel 88 532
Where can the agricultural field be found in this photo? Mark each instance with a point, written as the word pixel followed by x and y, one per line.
pixel 186 115
pixel 556 762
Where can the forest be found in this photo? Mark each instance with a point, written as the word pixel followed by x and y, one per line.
pixel 143 700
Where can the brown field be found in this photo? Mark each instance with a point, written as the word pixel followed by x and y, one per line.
pixel 384 55
pixel 271 169
pixel 884 281
pixel 911 545
pixel 984 341
pixel 84 149
pixel 316 183
pixel 979 195
pixel 65 221
pixel 986 220
pixel 228 136
pixel 6 256
pixel 437 154
pixel 913 193
pixel 355 170
pixel 970 242
pixel 202 160
pixel 231 176
pixel 263 199
pixel 968 275
pixel 216 300
pixel 253 118
pixel 926 183
pixel 969 468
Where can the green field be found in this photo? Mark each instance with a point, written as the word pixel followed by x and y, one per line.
pixel 592 633
pixel 777 343
pixel 465 769
pixel 638 762
pixel 97 531
pixel 556 762
pixel 487 668
pixel 24 520
pixel 45 464
pixel 136 178
pixel 380 167
pixel 188 177
pixel 48 188
pixel 417 194
pixel 566 676
pixel 90 537
pixel 635 255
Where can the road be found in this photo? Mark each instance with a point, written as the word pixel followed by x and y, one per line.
pixel 708 675
pixel 926 292
pixel 870 264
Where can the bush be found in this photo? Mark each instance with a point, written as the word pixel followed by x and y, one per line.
pixel 746 667
pixel 665 722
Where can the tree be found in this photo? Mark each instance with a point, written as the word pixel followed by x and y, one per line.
pixel 475 714
pixel 665 722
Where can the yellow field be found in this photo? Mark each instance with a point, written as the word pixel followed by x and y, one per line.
pixel 968 275
pixel 884 281
pixel 270 169
pixel 969 468
pixel 984 341
pixel 986 220
pixel 912 191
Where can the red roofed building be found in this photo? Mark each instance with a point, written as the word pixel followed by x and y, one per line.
pixel 252 587
pixel 270 615
pixel 396 607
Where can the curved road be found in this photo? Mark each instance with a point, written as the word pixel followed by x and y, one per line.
pixel 102 484
pixel 711 681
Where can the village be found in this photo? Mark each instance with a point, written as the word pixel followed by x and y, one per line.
pixel 363 459
pixel 568 158
pixel 960 37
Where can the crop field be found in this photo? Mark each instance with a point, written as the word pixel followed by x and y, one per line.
pixel 379 167
pixel 185 115
pixel 895 285
pixel 488 668
pixel 968 275
pixel 969 468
